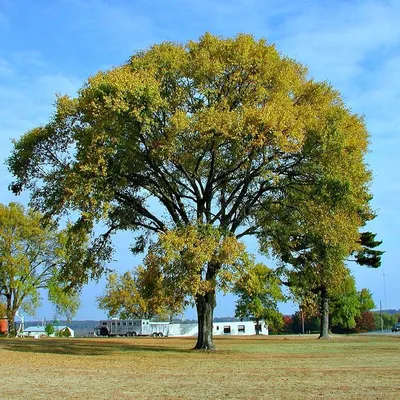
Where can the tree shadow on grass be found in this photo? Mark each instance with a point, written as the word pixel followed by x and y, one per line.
pixel 95 347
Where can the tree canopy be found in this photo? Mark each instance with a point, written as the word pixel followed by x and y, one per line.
pixel 225 133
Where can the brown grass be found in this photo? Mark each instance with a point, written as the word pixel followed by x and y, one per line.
pixel 347 367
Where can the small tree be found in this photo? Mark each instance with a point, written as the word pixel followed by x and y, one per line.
pixel 345 304
pixel 365 322
pixel 366 301
pixel 287 324
pixel 349 305
pixel 49 329
pixel 259 292
pixel 316 276
pixel 34 255
pixel 276 322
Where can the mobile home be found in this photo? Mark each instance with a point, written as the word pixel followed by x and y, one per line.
pixel 224 328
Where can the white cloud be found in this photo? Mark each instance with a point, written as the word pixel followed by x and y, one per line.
pixel 338 37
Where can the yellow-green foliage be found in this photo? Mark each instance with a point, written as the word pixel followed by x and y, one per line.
pixel 138 294
pixel 3 310
pixel 181 259
pixel 259 291
pixel 198 110
pixel 32 256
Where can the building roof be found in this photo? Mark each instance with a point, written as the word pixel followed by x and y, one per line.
pixel 43 328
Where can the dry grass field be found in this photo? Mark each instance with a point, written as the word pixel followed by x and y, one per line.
pixel 292 367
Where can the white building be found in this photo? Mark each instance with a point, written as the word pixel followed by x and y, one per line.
pixel 39 331
pixel 242 328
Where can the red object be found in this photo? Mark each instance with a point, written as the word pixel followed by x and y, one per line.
pixel 3 325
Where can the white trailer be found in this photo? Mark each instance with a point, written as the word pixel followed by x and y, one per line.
pixel 224 328
pixel 131 327
pixel 145 327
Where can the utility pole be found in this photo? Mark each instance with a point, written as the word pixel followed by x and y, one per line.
pixel 384 287
pixel 380 305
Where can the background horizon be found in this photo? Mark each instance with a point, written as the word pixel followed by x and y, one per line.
pixel 54 46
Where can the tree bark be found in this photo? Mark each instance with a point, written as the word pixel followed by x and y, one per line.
pixel 324 325
pixel 205 305
pixel 257 326
pixel 11 323
pixel 10 316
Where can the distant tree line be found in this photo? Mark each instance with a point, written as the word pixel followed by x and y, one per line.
pixel 368 321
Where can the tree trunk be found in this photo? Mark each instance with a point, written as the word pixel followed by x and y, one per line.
pixel 10 316
pixel 257 326
pixel 205 305
pixel 324 325
pixel 11 323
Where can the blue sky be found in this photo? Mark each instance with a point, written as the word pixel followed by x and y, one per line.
pixel 49 47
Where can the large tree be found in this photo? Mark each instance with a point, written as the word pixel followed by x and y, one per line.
pixel 32 258
pixel 219 132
